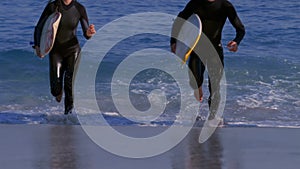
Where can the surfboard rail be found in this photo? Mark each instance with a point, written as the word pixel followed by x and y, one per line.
pixel 49 33
pixel 188 37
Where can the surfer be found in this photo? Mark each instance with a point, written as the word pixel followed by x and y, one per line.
pixel 213 15
pixel 66 49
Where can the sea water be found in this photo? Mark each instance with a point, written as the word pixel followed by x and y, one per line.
pixel 263 77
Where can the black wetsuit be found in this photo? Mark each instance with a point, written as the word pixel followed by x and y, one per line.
pixel 66 49
pixel 213 16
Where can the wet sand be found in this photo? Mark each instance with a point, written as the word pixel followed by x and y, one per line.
pixel 68 147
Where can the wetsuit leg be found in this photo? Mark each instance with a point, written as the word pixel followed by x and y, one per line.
pixel 196 72
pixel 69 64
pixel 56 73
pixel 215 80
pixel 197 69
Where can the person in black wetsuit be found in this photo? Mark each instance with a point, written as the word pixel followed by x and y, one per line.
pixel 66 49
pixel 213 15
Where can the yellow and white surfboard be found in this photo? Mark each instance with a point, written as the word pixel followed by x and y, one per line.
pixel 188 37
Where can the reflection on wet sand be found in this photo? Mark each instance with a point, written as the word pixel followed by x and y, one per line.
pixel 190 154
pixel 68 147
pixel 65 146
pixel 63 152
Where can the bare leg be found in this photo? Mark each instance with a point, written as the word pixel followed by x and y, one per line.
pixel 199 94
pixel 58 98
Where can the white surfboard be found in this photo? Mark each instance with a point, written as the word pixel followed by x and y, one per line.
pixel 49 33
pixel 188 37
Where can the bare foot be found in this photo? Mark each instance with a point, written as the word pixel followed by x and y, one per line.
pixel 58 98
pixel 199 94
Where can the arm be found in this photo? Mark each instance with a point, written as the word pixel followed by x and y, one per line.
pixel 88 30
pixel 237 24
pixel 183 15
pixel 39 27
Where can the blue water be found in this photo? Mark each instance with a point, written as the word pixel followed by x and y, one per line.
pixel 263 77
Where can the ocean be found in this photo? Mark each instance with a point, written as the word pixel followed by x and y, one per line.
pixel 263 77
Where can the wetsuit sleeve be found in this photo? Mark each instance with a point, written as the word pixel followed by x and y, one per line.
pixel 84 21
pixel 236 22
pixel 184 14
pixel 39 27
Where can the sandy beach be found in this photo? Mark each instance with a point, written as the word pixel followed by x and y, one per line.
pixel 68 147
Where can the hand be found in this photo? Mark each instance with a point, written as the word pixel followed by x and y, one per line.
pixel 91 31
pixel 38 51
pixel 173 47
pixel 232 46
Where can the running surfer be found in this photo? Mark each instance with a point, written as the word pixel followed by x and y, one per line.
pixel 66 49
pixel 213 15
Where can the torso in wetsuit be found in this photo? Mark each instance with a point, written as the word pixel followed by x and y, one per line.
pixel 213 16
pixel 72 14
